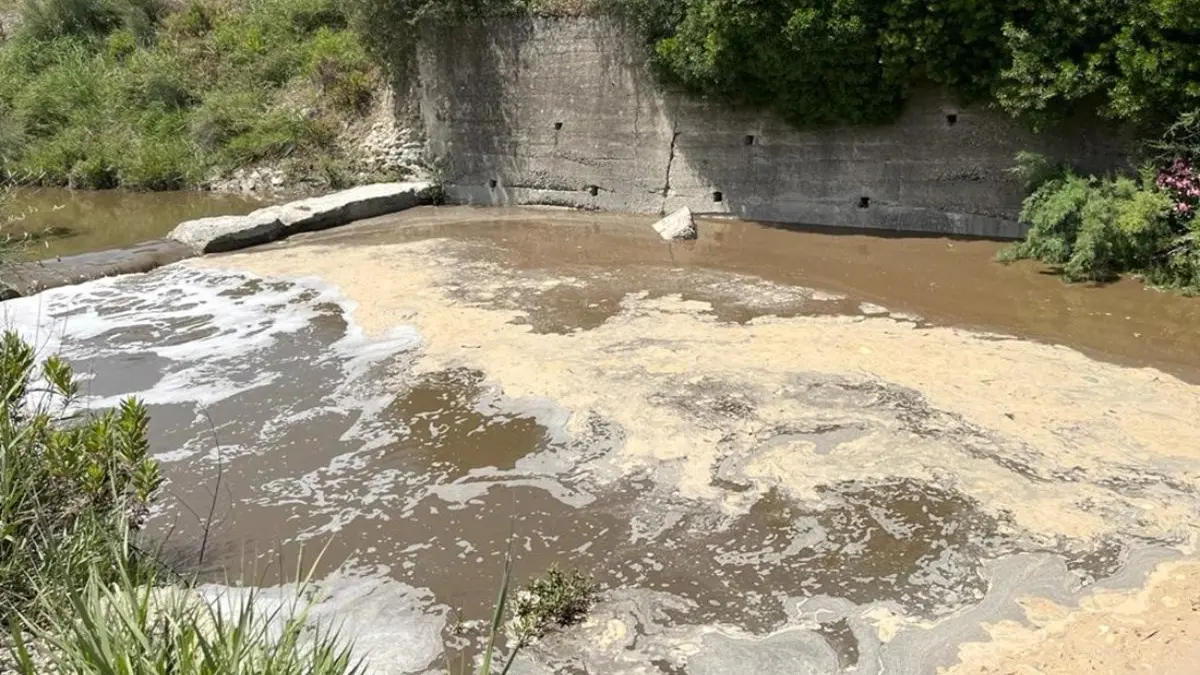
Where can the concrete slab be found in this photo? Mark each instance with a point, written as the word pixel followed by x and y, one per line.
pixel 339 208
pixel 229 233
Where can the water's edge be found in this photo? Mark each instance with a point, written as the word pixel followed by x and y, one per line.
pixel 196 237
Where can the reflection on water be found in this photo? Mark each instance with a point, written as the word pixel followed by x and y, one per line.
pixel 66 222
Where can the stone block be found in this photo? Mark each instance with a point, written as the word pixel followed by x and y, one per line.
pixel 339 208
pixel 677 226
pixel 229 233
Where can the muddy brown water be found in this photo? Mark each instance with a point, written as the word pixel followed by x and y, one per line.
pixel 67 222
pixel 946 281
pixel 289 438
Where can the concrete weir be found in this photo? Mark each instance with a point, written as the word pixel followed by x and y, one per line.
pixel 220 233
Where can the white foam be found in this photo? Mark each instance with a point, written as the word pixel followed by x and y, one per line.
pixel 393 627
pixel 205 323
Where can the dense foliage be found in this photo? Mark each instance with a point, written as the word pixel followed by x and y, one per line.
pixel 829 61
pixel 1095 229
pixel 101 93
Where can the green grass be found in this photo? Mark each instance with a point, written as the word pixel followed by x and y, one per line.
pixel 128 627
pixel 108 93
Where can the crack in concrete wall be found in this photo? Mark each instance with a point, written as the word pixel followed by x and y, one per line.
pixel 666 191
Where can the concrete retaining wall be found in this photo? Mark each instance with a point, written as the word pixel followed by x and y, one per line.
pixel 564 112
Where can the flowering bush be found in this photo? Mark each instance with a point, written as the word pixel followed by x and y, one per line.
pixel 1181 180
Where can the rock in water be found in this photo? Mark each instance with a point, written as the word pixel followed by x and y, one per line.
pixel 229 233
pixel 677 226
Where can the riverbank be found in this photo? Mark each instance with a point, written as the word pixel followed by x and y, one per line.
pixel 274 97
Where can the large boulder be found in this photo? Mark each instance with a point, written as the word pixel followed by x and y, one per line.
pixel 339 208
pixel 229 233
pixel 677 226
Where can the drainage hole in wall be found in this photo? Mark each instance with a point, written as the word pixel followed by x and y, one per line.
pixel 593 190
pixel 749 139
pixel 492 183
pixel 951 119
pixel 718 197
pixel 558 126
pixel 864 202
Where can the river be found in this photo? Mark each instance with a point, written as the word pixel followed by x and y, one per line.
pixel 779 451
pixel 57 222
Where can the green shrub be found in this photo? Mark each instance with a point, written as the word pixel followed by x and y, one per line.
pixel 275 135
pixel 817 62
pixel 12 138
pixel 195 21
pixel 151 99
pixel 76 157
pixel 121 44
pixel 959 44
pixel 165 162
pixel 72 89
pixel 70 489
pixel 48 19
pixel 224 115
pixel 93 171
pixel 1096 229
pixel 784 56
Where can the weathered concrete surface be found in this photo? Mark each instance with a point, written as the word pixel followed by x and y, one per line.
pixel 678 225
pixel 32 277
pixel 228 233
pixel 339 208
pixel 564 112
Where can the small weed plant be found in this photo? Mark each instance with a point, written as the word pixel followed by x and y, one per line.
pixel 557 599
